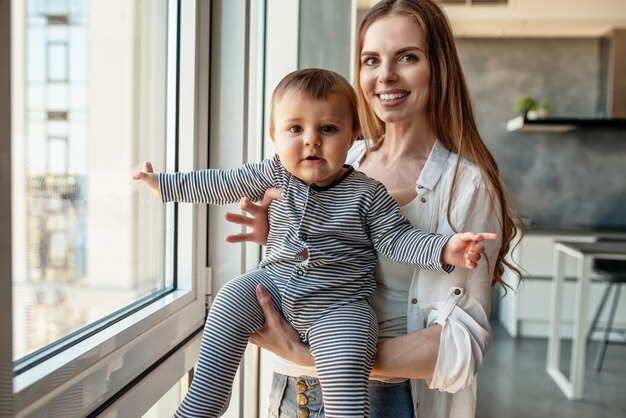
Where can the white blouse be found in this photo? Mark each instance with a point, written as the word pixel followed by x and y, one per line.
pixel 460 302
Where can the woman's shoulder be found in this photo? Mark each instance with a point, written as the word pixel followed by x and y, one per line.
pixel 464 164
pixel 468 172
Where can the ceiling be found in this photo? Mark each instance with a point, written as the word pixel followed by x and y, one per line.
pixel 534 18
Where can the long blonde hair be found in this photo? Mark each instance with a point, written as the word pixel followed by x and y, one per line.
pixel 450 109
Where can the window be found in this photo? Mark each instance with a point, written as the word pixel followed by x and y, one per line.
pixel 87 242
pixel 143 94
pixel 106 280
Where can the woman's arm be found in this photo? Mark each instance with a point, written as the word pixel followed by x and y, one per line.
pixel 419 349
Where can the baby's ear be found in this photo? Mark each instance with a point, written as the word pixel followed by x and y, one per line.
pixel 272 132
pixel 355 135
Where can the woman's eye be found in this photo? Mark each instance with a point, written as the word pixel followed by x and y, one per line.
pixel 295 129
pixel 369 61
pixel 408 58
pixel 329 129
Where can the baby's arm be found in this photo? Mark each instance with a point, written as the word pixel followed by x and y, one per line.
pixel 394 236
pixel 212 186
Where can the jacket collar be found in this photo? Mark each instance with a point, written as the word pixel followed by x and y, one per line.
pixel 435 165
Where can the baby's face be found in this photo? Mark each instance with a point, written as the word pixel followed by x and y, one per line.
pixel 313 136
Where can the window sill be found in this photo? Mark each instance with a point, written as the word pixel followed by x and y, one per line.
pixel 76 381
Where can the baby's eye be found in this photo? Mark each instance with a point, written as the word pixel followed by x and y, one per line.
pixel 329 129
pixel 369 61
pixel 295 129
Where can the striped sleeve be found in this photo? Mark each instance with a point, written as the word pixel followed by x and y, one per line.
pixel 218 187
pixel 395 237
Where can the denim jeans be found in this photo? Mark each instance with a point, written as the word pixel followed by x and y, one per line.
pixel 391 399
pixel 386 399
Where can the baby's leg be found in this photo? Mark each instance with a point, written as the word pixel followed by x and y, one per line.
pixel 234 315
pixel 343 344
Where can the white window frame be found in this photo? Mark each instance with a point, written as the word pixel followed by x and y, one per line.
pixel 6 284
pixel 84 378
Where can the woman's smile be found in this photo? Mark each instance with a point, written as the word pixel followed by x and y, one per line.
pixel 392 98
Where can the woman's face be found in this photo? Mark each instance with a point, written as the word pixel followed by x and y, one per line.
pixel 394 70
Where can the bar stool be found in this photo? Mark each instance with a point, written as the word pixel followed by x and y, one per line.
pixel 614 272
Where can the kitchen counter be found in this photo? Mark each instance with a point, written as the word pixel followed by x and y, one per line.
pixel 525 312
pixel 575 231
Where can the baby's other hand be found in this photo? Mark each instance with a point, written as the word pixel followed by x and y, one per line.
pixel 149 178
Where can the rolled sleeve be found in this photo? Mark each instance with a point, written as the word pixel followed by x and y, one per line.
pixel 464 341
pixel 464 312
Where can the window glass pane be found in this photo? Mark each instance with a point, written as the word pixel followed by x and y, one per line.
pixel 90 102
pixel 56 63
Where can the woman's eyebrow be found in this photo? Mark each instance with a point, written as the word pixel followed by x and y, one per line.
pixel 408 48
pixel 399 51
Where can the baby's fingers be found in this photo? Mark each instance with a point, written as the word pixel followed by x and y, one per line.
pixel 236 238
pixel 470 264
pixel 239 219
pixel 473 255
pixel 485 236
pixel 140 176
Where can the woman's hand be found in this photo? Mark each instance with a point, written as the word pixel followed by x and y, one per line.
pixel 149 178
pixel 257 221
pixel 465 249
pixel 277 335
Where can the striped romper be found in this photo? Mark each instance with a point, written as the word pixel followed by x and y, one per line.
pixel 325 294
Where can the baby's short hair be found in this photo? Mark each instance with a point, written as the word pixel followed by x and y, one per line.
pixel 317 83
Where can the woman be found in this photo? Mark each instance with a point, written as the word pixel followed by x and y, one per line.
pixel 423 144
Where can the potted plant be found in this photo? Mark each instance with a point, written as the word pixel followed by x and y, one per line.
pixel 526 106
pixel 542 110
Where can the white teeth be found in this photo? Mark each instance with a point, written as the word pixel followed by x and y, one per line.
pixel 392 96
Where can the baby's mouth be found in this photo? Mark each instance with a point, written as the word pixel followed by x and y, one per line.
pixel 313 158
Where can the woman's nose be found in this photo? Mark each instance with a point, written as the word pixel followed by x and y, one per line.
pixel 387 73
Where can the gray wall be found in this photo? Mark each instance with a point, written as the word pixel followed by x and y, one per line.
pixel 325 35
pixel 567 180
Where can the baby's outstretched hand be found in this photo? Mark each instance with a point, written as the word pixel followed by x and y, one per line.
pixel 149 178
pixel 465 249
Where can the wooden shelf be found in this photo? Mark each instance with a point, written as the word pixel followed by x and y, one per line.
pixel 557 125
